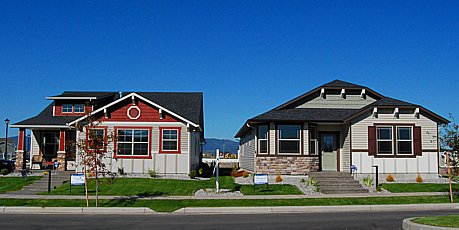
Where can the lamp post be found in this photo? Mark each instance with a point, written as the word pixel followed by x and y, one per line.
pixel 7 121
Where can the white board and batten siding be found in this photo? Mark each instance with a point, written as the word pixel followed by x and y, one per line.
pixel 247 148
pixel 425 164
pixel 172 163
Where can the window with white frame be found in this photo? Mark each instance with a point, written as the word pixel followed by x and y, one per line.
pixel 133 142
pixel 405 140
pixel 289 139
pixel 262 136
pixel 170 140
pixel 384 140
pixel 313 147
pixel 67 108
pixel 78 108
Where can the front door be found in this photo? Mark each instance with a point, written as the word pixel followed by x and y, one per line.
pixel 329 151
pixel 50 145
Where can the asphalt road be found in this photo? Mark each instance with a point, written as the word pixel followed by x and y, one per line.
pixel 353 220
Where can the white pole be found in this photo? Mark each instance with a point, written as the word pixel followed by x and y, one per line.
pixel 217 165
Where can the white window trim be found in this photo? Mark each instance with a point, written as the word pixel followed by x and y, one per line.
pixel 315 140
pixel 176 140
pixel 259 140
pixel 133 142
pixel 391 141
pixel 279 140
pixel 74 110
pixel 412 141
pixel 71 106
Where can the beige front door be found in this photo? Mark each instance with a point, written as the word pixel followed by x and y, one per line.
pixel 329 152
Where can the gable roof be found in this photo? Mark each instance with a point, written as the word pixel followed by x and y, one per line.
pixel 335 84
pixel 285 112
pixel 187 106
pixel 184 104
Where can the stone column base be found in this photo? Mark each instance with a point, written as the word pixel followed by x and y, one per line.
pixel 19 155
pixel 61 160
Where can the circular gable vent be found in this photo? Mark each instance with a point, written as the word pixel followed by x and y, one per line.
pixel 133 112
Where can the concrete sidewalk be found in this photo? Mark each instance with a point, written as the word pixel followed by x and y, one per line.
pixel 246 197
pixel 228 210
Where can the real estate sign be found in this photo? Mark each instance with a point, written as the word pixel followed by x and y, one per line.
pixel 77 179
pixel 260 179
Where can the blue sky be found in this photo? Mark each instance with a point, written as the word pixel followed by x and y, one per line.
pixel 246 56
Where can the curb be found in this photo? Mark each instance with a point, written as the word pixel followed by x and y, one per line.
pixel 316 209
pixel 409 225
pixel 73 210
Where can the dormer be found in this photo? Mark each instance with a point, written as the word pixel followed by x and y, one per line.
pixel 72 103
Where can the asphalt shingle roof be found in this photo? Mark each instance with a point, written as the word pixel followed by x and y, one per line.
pixel 187 105
pixel 344 84
pixel 387 101
pixel 306 114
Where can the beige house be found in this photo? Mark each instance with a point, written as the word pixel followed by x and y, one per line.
pixel 339 126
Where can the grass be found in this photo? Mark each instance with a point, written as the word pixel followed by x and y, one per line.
pixel 441 221
pixel 276 189
pixel 418 187
pixel 167 187
pixel 173 205
pixel 15 183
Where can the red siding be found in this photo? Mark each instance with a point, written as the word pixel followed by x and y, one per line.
pixel 148 113
pixel 58 107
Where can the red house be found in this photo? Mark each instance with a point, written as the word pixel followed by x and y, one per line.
pixel 154 130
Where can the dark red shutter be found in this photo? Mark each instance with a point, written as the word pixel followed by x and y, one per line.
pixel 417 141
pixel 371 140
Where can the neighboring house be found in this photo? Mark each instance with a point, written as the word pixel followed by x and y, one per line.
pixel 10 149
pixel 340 124
pixel 154 130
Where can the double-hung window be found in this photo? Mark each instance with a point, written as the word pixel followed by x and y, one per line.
pixel 78 108
pixel 67 108
pixel 384 140
pixel 404 140
pixel 170 140
pixel 262 139
pixel 133 142
pixel 289 139
pixel 313 147
pixel 96 139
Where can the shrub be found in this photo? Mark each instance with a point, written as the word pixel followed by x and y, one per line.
pixel 368 181
pixel 245 174
pixel 390 178
pixel 192 174
pixel 201 171
pixel 121 172
pixel 4 172
pixel 312 181
pixel 278 178
pixel 152 173
pixel 419 179
pixel 234 172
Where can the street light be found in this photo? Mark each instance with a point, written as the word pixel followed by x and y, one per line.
pixel 7 121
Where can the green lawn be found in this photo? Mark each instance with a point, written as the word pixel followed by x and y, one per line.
pixel 442 221
pixel 15 183
pixel 418 187
pixel 167 187
pixel 172 205
pixel 276 189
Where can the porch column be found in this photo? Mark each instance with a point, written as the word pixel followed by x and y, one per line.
pixel 20 149
pixel 61 151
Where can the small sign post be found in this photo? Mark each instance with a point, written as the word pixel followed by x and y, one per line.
pixel 259 179
pixel 76 179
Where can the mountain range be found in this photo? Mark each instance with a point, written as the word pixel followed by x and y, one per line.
pixel 224 145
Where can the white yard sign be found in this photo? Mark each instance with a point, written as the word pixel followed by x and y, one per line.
pixel 260 179
pixel 77 179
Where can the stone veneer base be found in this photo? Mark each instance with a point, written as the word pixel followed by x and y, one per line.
pixel 286 165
